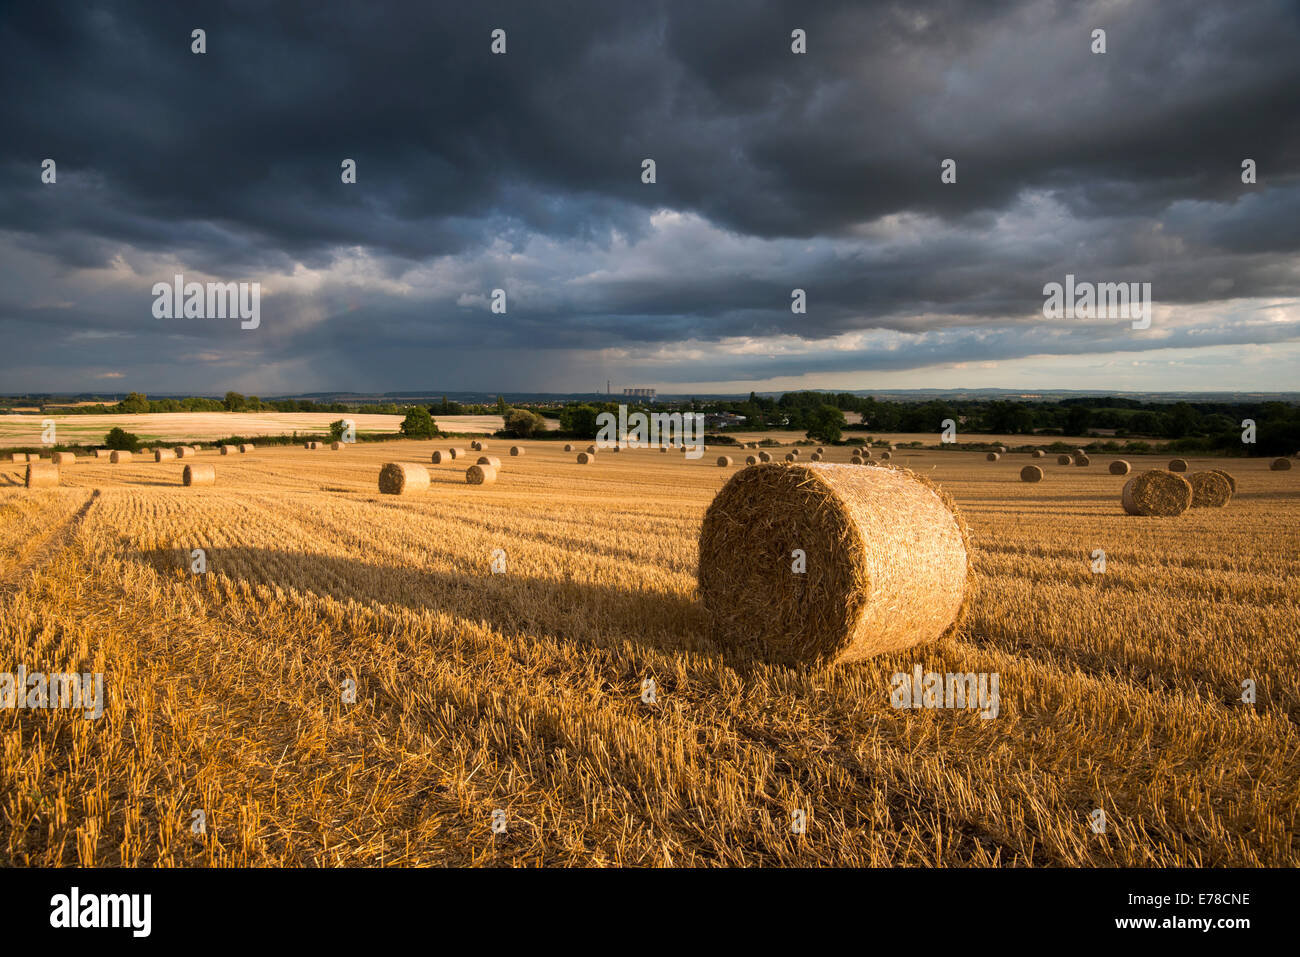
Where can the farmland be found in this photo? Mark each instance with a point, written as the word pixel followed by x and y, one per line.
pixel 521 690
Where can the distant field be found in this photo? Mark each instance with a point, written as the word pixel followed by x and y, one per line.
pixel 25 430
pixel 521 691
pixel 927 438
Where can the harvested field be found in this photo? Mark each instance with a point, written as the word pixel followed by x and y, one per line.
pixel 521 690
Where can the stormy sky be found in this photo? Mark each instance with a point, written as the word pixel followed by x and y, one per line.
pixel 775 170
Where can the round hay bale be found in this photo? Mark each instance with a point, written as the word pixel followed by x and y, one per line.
pixel 491 460
pixel 163 455
pixel 1063 460
pixel 591 450
pixel 185 451
pixel 790 456
pixel 439 457
pixel 1178 465
pixel 199 475
pixel 102 453
pixel 586 458
pixel 764 456
pixel 1157 492
pixel 519 449
pixel 1001 450
pixel 866 454
pixel 454 454
pixel 1281 465
pixel 794 452
pixel 246 447
pixel 18 456
pixel 1078 452
pixel 398 478
pixel 1209 490
pixel 993 456
pixel 751 459
pixel 482 446
pixel 480 474
pixel 474 446
pixel 820 450
pixel 225 449
pixel 568 446
pixel 1120 467
pixel 663 448
pixel 64 458
pixel 41 475
pixel 816 456
pixel 334 447
pixel 119 455
pixel 857 460
pixel 723 461
pixel 887 563
pixel 1039 454
pixel 1232 479
pixel 1082 460
pixel 1031 473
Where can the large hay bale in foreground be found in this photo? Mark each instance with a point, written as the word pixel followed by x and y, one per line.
pixel 1031 473
pixel 1082 460
pixel 1063 460
pixel 519 449
pixel 480 474
pixel 491 460
pixel 163 455
pixel 992 456
pixel 199 475
pixel 1232 479
pixel 1178 465
pixel 723 461
pixel 41 475
pixel 1209 490
pixel 887 563
pixel 1281 465
pixel 586 458
pixel 120 455
pixel 64 458
pixel 1157 492
pixel 1120 467
pixel 398 478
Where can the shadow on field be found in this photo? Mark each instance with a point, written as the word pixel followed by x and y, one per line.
pixel 511 602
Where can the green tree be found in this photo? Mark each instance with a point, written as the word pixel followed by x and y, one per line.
pixel 825 423
pixel 134 403
pixel 337 428
pixel 122 440
pixel 502 408
pixel 419 424
pixel 579 420
pixel 524 423
pixel 234 402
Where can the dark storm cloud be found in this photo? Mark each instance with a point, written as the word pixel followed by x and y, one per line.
pixel 818 171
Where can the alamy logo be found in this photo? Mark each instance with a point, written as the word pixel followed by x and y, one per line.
pixel 103 910
pixel 39 690
pixel 1107 300
pixel 933 689
pixel 179 299
pixel 639 430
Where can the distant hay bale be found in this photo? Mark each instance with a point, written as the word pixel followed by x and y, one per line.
pixel 519 449
pixel 865 453
pixel 794 452
pixel 1178 465
pixel 455 453
pixel 1063 460
pixel 1039 454
pixel 1281 465
pixel 1119 467
pixel 41 475
pixel 491 460
pixel 993 456
pixel 568 446
pixel 591 449
pixel 440 457
pixel 1001 450
pixel 586 458
pixel 790 456
pixel 751 459
pixel 334 447
pixel 1078 452
pixel 480 474
pixel 398 478
pixel 184 452
pixel 246 447
pixel 102 453
pixel 1082 460
pixel 64 458
pixel 816 456
pixel 1157 492
pixel 857 460
pixel 1209 490
pixel 199 475
pixel 820 450
pixel 887 568
pixel 764 456
pixel 663 448
pixel 474 445
pixel 1031 473
pixel 227 450
pixel 163 455
pixel 18 456
pixel 482 446
pixel 1232 479
pixel 119 455
pixel 885 455
pixel 724 461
